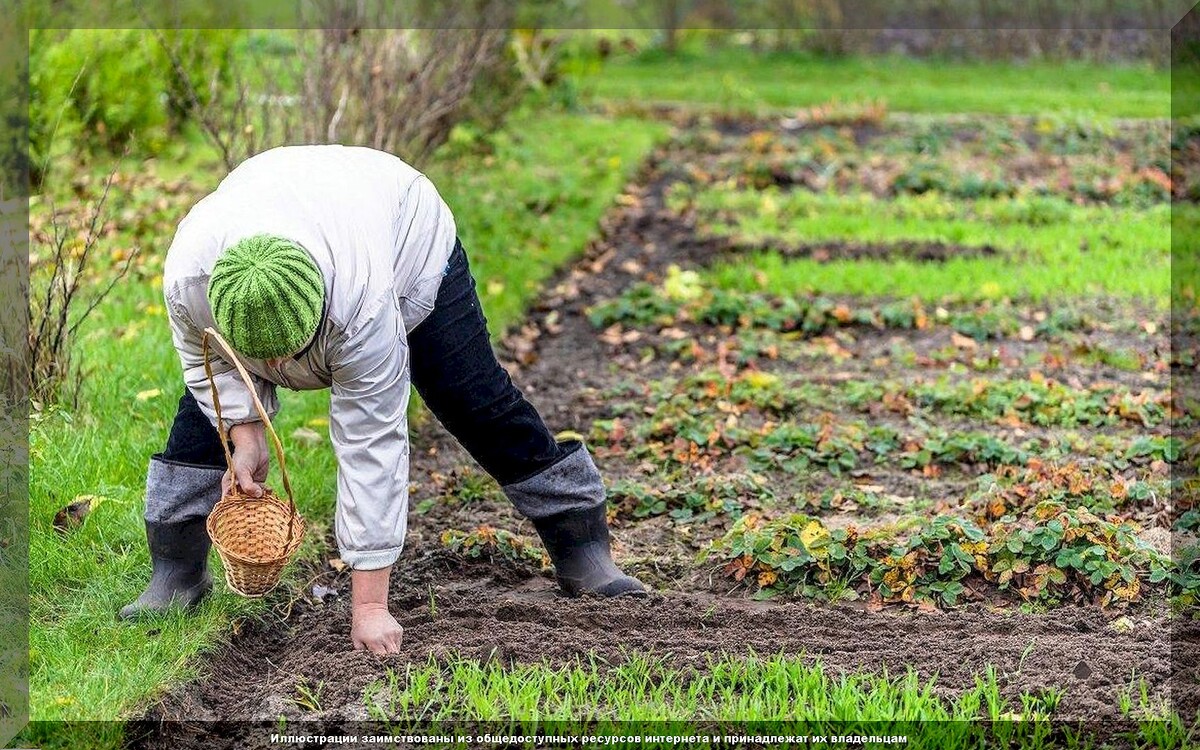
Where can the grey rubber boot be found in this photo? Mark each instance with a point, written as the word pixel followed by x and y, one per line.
pixel 179 554
pixel 179 498
pixel 578 543
pixel 566 504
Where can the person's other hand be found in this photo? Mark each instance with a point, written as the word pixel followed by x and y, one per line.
pixel 375 629
pixel 251 459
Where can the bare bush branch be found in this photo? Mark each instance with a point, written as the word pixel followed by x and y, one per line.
pixel 358 78
pixel 56 314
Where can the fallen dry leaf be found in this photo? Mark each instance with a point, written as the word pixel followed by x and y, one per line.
pixel 963 342
pixel 306 436
pixel 71 516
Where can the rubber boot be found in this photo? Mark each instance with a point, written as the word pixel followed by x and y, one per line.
pixel 578 543
pixel 566 503
pixel 179 497
pixel 179 554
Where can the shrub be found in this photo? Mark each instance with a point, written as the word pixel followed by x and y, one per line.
pixel 64 289
pixel 111 86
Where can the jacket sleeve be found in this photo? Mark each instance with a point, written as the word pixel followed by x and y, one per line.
pixel 236 405
pixel 368 425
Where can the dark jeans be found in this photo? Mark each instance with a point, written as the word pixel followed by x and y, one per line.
pixel 457 374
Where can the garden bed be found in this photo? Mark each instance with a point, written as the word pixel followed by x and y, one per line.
pixel 871 483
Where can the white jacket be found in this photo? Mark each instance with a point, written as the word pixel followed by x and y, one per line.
pixel 382 237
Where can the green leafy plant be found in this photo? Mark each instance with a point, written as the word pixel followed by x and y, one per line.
pixel 795 555
pixel 1095 487
pixel 1051 553
pixel 691 499
pixel 492 544
pixel 931 564
pixel 1059 553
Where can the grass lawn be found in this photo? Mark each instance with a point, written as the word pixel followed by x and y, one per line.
pixel 736 79
pixel 522 211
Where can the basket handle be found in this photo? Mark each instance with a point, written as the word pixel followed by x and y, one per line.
pixel 210 334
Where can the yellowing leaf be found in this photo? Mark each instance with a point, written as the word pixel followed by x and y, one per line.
pixel 759 380
pixel 682 286
pixel 813 536
pixel 147 395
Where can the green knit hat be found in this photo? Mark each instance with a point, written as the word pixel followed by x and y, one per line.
pixel 266 295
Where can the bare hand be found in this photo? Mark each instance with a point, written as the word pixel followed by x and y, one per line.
pixel 375 629
pixel 251 459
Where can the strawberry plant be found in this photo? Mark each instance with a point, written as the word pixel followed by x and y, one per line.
pixel 930 565
pixel 941 447
pixel 1014 489
pixel 465 486
pixel 683 300
pixel 1038 401
pixel 1151 448
pixel 993 160
pixel 1052 553
pixel 1059 553
pixel 642 305
pixel 796 447
pixel 794 556
pixel 691 500
pixel 1185 579
pixel 492 544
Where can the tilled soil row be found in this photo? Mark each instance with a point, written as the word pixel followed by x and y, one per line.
pixel 450 606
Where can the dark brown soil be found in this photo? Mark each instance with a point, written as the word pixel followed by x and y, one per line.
pixel 928 252
pixel 256 677
pixel 449 606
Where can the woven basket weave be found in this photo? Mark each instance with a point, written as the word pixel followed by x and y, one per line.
pixel 255 537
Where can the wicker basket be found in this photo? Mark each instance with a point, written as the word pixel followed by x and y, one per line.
pixel 256 537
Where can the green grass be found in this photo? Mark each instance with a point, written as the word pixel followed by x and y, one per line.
pixel 781 694
pixel 646 688
pixel 1048 248
pixel 737 79
pixel 522 211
